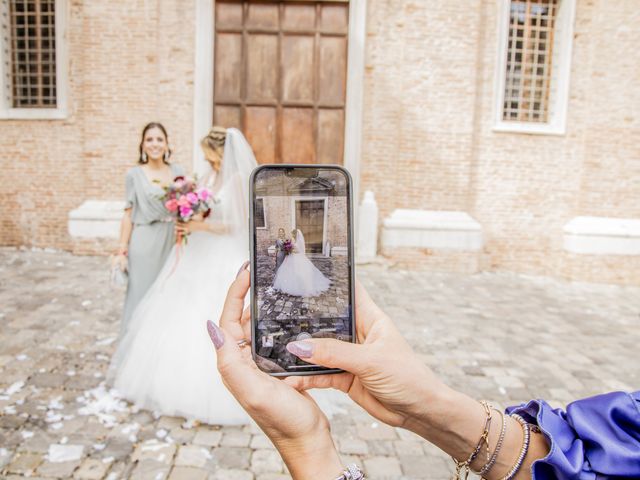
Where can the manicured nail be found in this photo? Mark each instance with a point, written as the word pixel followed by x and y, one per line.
pixel 300 349
pixel 217 337
pixel 242 268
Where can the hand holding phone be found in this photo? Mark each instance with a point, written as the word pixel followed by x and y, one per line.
pixel 301 262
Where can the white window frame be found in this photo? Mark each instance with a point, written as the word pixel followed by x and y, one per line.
pixel 7 112
pixel 561 61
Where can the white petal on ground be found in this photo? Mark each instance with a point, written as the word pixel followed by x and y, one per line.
pixel 64 453
pixel 14 388
pixel 161 433
pixel 103 404
pixel 26 434
pixel 106 341
pixel 22 357
pixel 86 303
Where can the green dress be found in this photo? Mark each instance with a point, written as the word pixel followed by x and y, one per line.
pixel 152 237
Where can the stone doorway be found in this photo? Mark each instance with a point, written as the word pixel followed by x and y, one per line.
pixel 310 220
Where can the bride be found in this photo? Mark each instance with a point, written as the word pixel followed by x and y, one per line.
pixel 165 361
pixel 297 275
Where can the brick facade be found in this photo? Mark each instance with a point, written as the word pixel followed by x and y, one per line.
pixel 428 140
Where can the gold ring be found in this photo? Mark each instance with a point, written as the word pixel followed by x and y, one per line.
pixel 244 343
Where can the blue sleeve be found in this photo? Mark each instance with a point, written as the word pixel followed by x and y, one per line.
pixel 596 438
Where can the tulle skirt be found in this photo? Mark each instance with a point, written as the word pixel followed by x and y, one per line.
pixel 298 276
pixel 166 361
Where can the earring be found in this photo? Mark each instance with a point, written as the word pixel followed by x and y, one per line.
pixel 143 157
pixel 166 155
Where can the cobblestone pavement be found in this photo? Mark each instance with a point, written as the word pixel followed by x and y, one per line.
pixel 503 337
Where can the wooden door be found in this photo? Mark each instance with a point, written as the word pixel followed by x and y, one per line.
pixel 280 77
pixel 310 221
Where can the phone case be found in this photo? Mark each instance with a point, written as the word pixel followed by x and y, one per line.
pixel 263 363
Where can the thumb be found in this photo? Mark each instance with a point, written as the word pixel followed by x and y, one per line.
pixel 332 353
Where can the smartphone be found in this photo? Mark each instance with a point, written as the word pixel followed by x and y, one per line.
pixel 302 262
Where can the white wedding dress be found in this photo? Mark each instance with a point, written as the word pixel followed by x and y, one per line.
pixel 297 275
pixel 166 361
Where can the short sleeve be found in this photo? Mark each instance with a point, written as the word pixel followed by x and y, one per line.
pixel 597 437
pixel 129 190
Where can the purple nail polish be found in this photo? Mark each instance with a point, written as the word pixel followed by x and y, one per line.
pixel 217 337
pixel 242 268
pixel 300 349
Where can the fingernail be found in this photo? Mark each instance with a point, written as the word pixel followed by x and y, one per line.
pixel 243 267
pixel 300 349
pixel 217 337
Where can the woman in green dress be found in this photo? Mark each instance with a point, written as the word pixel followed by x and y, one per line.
pixel 146 231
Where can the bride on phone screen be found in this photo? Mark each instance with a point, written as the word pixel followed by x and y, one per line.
pixel 297 275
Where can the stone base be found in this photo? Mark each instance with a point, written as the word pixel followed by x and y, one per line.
pixel 94 227
pixel 602 236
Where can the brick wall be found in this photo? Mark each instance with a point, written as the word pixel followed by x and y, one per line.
pixel 428 139
pixel 129 64
pixel 427 127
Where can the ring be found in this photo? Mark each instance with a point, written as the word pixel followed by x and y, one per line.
pixel 244 343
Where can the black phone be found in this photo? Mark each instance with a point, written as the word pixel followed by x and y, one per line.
pixel 302 262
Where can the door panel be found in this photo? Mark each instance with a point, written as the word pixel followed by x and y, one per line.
pixel 297 144
pixel 280 76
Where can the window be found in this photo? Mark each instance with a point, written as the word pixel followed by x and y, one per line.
pixel 31 68
pixel 534 65
pixel 260 219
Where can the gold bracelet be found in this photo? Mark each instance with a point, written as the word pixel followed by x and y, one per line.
pixel 462 468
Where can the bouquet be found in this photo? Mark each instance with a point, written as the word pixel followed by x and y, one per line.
pixel 287 247
pixel 185 201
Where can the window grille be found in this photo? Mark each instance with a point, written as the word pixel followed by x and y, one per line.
pixel 32 53
pixel 529 60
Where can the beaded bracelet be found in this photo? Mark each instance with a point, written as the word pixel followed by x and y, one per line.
pixel 526 430
pixel 352 472
pixel 462 468
pixel 489 465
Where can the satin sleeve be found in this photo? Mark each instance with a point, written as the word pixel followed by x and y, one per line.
pixel 595 438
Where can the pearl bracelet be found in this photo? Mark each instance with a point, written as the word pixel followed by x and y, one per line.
pixel 352 472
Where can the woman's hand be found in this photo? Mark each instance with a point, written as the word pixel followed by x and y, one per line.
pixel 385 376
pixel 194 225
pixel 290 418
pixel 120 260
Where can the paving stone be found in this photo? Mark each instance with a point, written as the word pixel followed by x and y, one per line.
pixel 5 457
pixel 382 468
pixel 231 474
pixel 182 435
pixel 353 446
pixel 48 380
pixel 116 449
pixel 265 461
pixel 232 457
pixel 408 447
pixel 58 469
pixel 235 438
pixel 421 466
pixel 93 469
pixel 273 476
pixel 261 441
pixel 25 463
pixel 193 456
pixel 154 450
pixel 148 469
pixel 188 473
pixel 207 436
pixel 169 423
pixel 376 431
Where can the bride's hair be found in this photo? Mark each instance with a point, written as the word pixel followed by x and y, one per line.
pixel 294 233
pixel 214 141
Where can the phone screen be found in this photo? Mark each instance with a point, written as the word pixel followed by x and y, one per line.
pixel 302 262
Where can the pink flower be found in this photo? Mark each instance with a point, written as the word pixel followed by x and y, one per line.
pixel 184 202
pixel 203 194
pixel 192 197
pixel 171 205
pixel 186 212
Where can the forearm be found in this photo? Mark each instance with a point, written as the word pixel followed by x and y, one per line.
pixel 313 460
pixel 126 227
pixel 454 422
